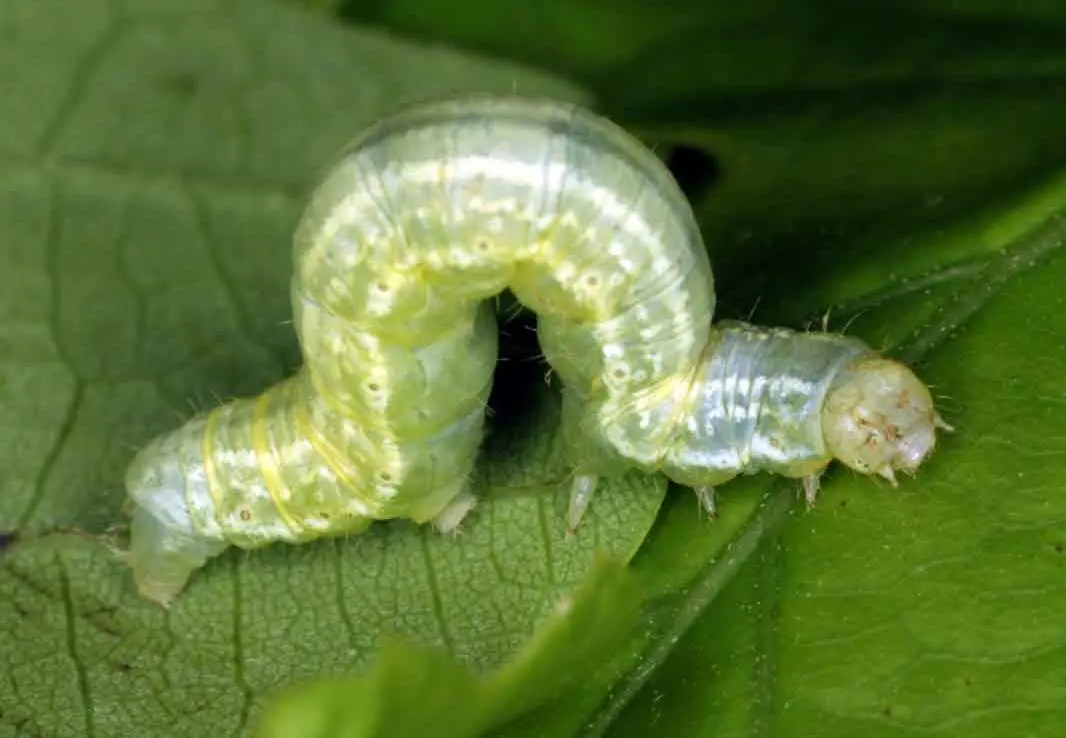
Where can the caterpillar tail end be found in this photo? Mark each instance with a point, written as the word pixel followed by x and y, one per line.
pixel 163 559
pixel 879 418
pixel 165 546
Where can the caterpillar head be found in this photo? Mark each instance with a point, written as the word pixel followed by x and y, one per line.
pixel 878 418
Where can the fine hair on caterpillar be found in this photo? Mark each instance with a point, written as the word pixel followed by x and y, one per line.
pixel 398 258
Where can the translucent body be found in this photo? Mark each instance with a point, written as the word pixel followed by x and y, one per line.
pixel 424 218
pixel 755 405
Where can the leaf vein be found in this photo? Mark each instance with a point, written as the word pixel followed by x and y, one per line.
pixel 80 673
pixel 435 593
pixel 82 77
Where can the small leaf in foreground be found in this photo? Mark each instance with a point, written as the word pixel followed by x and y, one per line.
pixel 412 691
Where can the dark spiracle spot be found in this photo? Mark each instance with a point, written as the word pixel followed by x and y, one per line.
pixel 7 538
pixel 695 170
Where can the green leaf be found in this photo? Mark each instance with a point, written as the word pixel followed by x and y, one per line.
pixel 932 223
pixel 931 607
pixel 408 692
pixel 153 160
pixel 322 6
pixel 413 692
pixel 928 211
pixel 587 40
pixel 904 168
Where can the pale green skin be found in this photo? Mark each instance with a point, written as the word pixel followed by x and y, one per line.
pixel 427 216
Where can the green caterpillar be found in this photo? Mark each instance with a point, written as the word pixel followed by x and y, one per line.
pixel 425 218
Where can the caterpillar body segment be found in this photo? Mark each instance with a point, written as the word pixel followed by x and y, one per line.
pixel 774 400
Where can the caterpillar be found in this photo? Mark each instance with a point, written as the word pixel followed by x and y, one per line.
pixel 418 224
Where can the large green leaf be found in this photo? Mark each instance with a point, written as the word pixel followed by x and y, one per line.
pixel 902 166
pixel 934 607
pixel 153 160
pixel 929 210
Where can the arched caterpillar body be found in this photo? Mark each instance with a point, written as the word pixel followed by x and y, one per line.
pixel 424 218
